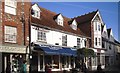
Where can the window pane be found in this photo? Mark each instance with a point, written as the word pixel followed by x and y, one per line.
pixel 10 34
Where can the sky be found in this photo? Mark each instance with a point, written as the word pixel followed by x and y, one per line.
pixel 108 11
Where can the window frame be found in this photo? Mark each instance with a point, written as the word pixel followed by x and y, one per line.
pixel 41 36
pixel 64 40
pixel 10 37
pixel 12 4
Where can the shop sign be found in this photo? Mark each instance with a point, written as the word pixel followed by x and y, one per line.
pixel 12 49
pixel 52 47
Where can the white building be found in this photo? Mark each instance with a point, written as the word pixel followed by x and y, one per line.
pixel 49 29
pixel 93 22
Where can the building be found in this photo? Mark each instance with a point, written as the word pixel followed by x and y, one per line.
pixel 55 37
pixel 14 17
pixel 93 22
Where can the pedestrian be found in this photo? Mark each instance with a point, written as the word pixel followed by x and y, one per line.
pixel 24 69
pixel 8 68
pixel 84 68
pixel 46 68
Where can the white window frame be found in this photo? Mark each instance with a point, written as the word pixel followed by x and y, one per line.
pixel 10 34
pixel 41 35
pixel 64 40
pixel 36 14
pixel 10 6
pixel 78 42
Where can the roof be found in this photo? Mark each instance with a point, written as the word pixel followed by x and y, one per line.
pixel 46 19
pixel 109 30
pixel 84 21
pixel 85 18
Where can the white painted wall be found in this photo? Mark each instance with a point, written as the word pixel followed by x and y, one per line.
pixel 74 25
pixel 97 33
pixel 53 37
pixel 36 8
pixel 60 19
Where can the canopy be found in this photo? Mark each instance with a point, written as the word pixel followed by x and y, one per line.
pixel 56 50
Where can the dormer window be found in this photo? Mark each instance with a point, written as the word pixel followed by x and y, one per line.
pixel 36 14
pixel 74 25
pixel 36 10
pixel 59 19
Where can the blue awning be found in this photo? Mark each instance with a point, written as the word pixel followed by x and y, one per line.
pixel 55 50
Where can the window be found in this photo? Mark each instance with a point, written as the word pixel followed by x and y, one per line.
pixel 85 43
pixel 10 34
pixel 78 42
pixel 41 35
pixel 96 41
pixel 36 14
pixel 99 41
pixel 110 46
pixel 64 40
pixel 60 22
pixel 98 27
pixel 10 6
pixel 103 44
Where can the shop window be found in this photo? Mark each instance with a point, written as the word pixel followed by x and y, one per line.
pixel 64 40
pixel 10 6
pixel 10 34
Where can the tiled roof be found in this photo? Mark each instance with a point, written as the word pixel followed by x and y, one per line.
pixel 86 18
pixel 46 19
pixel 84 21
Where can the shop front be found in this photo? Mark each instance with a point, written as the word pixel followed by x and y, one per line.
pixel 58 58
pixel 13 56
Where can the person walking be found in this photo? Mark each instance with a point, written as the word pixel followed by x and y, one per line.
pixel 24 70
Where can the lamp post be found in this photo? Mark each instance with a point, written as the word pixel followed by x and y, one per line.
pixel 30 49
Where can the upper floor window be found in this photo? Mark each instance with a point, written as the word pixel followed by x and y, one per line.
pixel 99 41
pixel 85 43
pixel 10 6
pixel 60 21
pixel 64 40
pixel 41 35
pixel 78 42
pixel 96 41
pixel 10 34
pixel 36 11
pixel 36 14
pixel 98 27
pixel 103 44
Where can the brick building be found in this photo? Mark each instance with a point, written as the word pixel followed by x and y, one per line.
pixel 14 33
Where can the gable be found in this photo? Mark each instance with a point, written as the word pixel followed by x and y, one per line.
pixel 98 17
pixel 104 32
pixel 60 17
pixel 74 25
pixel 36 7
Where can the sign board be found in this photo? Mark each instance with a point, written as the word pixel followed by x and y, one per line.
pixel 12 49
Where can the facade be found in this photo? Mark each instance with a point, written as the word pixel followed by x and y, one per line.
pixel 13 33
pixel 93 22
pixel 58 31
pixel 53 38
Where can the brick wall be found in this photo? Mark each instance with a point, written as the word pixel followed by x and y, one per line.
pixel 15 20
